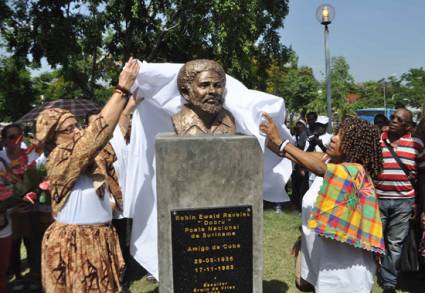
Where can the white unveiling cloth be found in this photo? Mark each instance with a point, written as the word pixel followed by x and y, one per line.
pixel 157 83
pixel 120 165
pixel 331 266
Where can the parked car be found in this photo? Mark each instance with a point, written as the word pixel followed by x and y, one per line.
pixel 369 113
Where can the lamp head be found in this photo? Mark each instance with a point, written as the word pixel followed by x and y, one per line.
pixel 325 14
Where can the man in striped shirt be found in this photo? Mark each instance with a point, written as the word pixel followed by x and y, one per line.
pixel 395 189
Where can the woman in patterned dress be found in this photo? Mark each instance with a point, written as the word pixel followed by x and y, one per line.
pixel 80 250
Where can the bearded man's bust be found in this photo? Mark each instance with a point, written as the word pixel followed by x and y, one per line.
pixel 202 84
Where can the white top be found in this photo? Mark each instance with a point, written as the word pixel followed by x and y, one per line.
pixel 331 266
pixel 121 150
pixel 84 206
pixel 32 156
pixel 41 160
pixel 6 231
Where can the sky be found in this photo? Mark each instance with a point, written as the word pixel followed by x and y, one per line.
pixel 378 38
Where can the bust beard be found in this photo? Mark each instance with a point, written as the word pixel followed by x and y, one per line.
pixel 208 108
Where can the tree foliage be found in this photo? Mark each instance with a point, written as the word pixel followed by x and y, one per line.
pixel 16 92
pixel 88 40
pixel 342 84
pixel 296 85
pixel 413 90
pixel 371 95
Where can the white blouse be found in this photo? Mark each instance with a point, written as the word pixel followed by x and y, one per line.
pixel 84 206
pixel 331 266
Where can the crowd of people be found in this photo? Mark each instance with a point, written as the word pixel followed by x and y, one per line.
pixel 358 190
pixel 75 248
pixel 387 162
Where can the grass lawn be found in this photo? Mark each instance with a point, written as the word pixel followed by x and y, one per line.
pixel 280 232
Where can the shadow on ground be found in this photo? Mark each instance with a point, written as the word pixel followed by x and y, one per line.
pixel 274 286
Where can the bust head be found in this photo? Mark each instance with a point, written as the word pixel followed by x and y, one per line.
pixel 202 83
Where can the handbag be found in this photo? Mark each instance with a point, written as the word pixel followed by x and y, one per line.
pixel 409 258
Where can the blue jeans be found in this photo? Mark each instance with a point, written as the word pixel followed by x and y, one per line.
pixel 395 214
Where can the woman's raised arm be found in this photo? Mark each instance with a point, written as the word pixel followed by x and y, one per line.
pixel 310 160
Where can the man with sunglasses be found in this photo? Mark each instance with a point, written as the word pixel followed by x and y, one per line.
pixel 404 165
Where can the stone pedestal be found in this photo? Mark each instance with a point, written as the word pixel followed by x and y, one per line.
pixel 210 213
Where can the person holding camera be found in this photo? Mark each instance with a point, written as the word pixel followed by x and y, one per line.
pixel 318 141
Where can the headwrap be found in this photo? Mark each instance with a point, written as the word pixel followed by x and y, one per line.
pixel 88 153
pixel 49 121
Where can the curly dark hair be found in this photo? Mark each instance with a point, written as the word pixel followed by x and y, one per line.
pixel 360 144
pixel 190 69
pixel 10 126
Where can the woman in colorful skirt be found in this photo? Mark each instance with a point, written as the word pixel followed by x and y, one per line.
pixel 341 224
pixel 80 250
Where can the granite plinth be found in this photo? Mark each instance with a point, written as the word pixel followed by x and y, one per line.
pixel 209 190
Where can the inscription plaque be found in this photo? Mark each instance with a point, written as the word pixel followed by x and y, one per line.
pixel 212 250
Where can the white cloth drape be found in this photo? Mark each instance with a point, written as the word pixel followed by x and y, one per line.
pixel 121 150
pixel 157 84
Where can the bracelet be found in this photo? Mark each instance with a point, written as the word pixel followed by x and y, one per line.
pixel 125 92
pixel 119 92
pixel 282 147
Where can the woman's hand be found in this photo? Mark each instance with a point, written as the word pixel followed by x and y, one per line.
pixel 113 109
pixel 270 129
pixel 128 74
pixel 308 160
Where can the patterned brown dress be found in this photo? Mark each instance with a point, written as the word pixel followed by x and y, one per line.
pixel 81 258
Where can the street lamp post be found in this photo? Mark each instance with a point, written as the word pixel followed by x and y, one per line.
pixel 385 99
pixel 384 89
pixel 325 14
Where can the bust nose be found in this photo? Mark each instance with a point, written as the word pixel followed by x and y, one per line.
pixel 212 89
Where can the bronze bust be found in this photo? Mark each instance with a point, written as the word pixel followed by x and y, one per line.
pixel 202 83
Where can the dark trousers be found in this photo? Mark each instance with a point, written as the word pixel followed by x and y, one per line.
pixel 123 228
pixel 30 230
pixel 15 266
pixel 299 186
pixel 395 215
pixel 5 247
